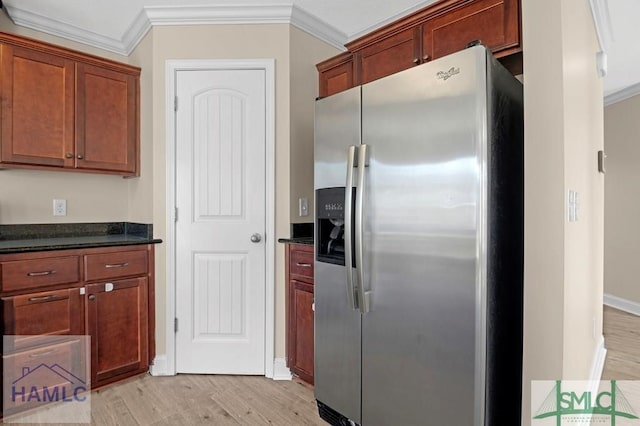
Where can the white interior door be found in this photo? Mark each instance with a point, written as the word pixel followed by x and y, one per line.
pixel 220 196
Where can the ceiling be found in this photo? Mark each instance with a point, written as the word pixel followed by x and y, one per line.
pixel 118 25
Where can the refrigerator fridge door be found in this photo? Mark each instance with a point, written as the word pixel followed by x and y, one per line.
pixel 423 342
pixel 337 325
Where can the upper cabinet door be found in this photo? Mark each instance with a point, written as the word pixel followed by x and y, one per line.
pixel 392 54
pixel 336 75
pixel 37 108
pixel 493 22
pixel 107 119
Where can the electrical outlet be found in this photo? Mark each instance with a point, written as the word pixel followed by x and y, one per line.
pixel 59 207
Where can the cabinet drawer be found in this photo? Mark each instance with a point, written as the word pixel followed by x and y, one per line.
pixel 301 263
pixel 51 312
pixel 25 274
pixel 114 265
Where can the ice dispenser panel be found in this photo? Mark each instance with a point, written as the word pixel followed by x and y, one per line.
pixel 330 225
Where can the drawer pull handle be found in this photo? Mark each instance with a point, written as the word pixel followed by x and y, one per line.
pixel 40 274
pixel 43 298
pixel 116 265
pixel 41 354
pixel 303 265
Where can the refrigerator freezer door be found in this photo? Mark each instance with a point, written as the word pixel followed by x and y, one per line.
pixel 337 126
pixel 337 325
pixel 423 339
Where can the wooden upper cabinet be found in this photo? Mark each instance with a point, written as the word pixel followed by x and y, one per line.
pixel 106 125
pixel 66 110
pixel 492 22
pixel 336 75
pixel 439 29
pixel 37 107
pixel 392 54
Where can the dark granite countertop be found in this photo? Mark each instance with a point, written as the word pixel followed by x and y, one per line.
pixel 43 237
pixel 301 233
pixel 303 240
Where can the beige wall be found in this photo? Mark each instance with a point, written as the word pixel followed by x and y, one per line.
pixel 295 53
pixel 622 200
pixel 26 196
pixel 224 42
pixel 563 132
pixel 140 190
pixel 306 51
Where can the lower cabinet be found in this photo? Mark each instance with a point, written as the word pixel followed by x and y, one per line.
pixel 300 315
pixel 104 293
pixel 117 321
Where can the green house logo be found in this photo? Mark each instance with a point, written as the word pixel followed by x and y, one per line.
pixel 580 406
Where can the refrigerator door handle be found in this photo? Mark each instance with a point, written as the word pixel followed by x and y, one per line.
pixel 348 227
pixel 363 163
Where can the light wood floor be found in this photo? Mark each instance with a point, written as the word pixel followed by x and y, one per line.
pixel 253 400
pixel 204 399
pixel 622 340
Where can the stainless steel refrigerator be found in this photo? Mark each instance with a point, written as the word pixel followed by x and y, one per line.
pixel 418 271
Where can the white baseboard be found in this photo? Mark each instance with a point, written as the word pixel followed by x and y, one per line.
pixel 159 366
pixel 597 364
pixel 280 370
pixel 622 304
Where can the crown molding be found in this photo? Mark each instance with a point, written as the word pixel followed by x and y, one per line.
pixel 389 20
pixel 602 21
pixel 151 16
pixel 50 26
pixel 318 28
pixel 621 95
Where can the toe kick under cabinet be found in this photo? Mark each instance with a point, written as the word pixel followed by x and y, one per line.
pixel 106 293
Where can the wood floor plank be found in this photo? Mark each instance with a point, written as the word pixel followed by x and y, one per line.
pixel 622 339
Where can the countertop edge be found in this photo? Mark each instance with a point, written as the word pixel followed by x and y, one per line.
pixel 71 246
pixel 300 241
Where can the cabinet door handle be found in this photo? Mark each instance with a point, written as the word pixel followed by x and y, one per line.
pixel 92 297
pixel 116 265
pixel 416 60
pixel 41 354
pixel 69 155
pixel 80 157
pixel 303 265
pixel 43 298
pixel 425 58
pixel 40 274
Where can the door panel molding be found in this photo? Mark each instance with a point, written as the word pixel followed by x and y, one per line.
pixel 167 362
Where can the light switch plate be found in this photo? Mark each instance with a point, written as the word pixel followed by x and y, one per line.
pixel 303 207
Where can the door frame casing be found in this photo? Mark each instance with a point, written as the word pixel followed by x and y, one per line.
pixel 171 68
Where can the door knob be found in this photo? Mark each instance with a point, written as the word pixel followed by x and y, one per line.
pixel 256 238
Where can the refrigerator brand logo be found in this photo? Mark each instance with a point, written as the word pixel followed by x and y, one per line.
pixel 583 402
pixel 446 75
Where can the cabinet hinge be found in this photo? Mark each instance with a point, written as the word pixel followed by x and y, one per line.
pixel 175 103
pixel 175 214
pixel 175 325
